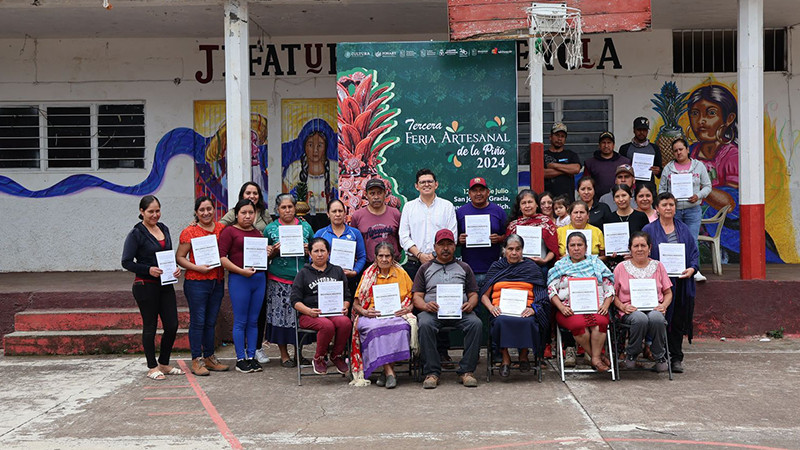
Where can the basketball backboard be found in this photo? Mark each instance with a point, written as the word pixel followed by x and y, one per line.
pixel 506 19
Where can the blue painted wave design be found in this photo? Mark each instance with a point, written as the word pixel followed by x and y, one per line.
pixel 180 141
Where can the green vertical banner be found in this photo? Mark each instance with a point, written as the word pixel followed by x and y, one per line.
pixel 450 107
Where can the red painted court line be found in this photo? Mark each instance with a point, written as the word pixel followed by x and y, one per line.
pixel 649 441
pixel 168 387
pixel 184 397
pixel 212 411
pixel 179 413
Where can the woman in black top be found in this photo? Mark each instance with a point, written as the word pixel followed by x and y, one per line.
pixel 599 213
pixel 139 256
pixel 636 220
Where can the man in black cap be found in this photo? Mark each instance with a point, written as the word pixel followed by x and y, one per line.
pixel 602 166
pixel 560 165
pixel 640 144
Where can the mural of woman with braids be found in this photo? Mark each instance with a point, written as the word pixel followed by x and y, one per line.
pixel 312 159
pixel 712 111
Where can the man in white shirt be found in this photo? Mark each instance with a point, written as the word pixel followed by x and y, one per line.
pixel 421 219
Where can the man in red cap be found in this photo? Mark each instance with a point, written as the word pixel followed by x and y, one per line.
pixel 445 271
pixel 477 251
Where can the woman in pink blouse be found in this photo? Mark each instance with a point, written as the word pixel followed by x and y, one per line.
pixel 650 323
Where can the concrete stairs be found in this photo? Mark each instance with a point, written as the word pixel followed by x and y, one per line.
pixel 84 331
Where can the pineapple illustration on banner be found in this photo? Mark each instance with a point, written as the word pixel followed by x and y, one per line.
pixel 670 105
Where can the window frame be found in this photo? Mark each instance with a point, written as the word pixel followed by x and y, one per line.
pixel 94 136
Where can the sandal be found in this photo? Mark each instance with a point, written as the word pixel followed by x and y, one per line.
pixel 288 363
pixel 605 360
pixel 156 375
pixel 524 366
pixel 602 367
pixel 175 371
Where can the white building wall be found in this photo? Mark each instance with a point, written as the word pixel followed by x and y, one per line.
pixel 85 230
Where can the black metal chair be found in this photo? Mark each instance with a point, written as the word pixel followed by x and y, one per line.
pixel 536 361
pixel 305 336
pixel 620 331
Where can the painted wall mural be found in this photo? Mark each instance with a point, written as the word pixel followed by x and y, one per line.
pixel 210 168
pixel 309 155
pixel 707 117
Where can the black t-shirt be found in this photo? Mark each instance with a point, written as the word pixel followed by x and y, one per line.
pixel 562 184
pixel 627 150
pixel 599 214
pixel 636 221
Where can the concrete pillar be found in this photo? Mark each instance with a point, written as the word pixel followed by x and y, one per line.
pixel 751 139
pixel 537 118
pixel 237 97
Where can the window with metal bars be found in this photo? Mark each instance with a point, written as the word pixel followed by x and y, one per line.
pixel 585 119
pixel 87 137
pixel 702 51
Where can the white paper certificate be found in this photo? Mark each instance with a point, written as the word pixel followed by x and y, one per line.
pixel 387 299
pixel 291 239
pixel 673 256
pixel 584 296
pixel 513 302
pixel 478 228
pixel 255 253
pixel 587 234
pixel 616 237
pixel 343 253
pixel 642 162
pixel 166 262
pixel 681 185
pixel 330 298
pixel 644 295
pixel 205 251
pixel 532 236
pixel 449 297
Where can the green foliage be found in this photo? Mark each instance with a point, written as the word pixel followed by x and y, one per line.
pixel 776 334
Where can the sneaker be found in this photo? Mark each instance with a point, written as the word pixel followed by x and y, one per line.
pixel 431 381
pixel 677 366
pixel 570 357
pixel 340 364
pixel 198 368
pixel 661 365
pixel 255 366
pixel 391 382
pixel 548 351
pixel 699 277
pixel 261 356
pixel 319 366
pixel 243 365
pixel 212 363
pixel 468 380
pixel 629 363
pixel 381 380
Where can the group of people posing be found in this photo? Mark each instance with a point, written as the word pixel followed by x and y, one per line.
pixel 429 232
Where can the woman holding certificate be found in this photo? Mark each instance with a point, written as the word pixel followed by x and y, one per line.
pixel 584 312
pixel 516 296
pixel 676 247
pixel 688 181
pixel 525 214
pixel 289 237
pixel 622 223
pixel 318 294
pixel 644 293
pixel 245 284
pixel 153 297
pixel 347 244
pixel 204 284
pixel 579 220
pixel 384 324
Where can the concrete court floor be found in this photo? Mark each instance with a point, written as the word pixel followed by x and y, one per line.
pixel 735 394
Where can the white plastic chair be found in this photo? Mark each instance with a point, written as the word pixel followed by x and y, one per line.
pixel 716 247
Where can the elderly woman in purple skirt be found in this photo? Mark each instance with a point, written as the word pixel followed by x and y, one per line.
pixel 380 341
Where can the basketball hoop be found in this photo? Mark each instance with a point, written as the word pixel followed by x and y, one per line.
pixel 555 25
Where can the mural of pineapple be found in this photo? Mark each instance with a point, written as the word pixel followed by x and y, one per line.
pixel 670 104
